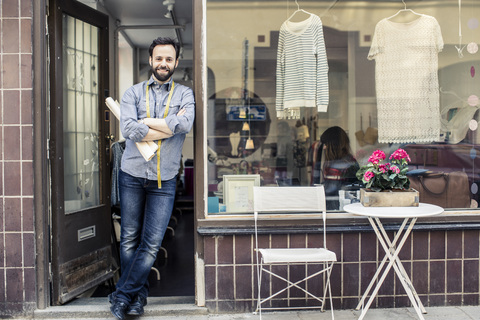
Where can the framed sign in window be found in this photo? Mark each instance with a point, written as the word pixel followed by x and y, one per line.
pixel 238 192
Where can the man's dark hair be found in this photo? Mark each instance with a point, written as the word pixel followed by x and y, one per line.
pixel 165 41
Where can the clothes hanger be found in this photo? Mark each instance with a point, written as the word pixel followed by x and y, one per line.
pixel 404 10
pixel 298 10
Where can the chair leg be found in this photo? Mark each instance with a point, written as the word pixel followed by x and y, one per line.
pixel 329 272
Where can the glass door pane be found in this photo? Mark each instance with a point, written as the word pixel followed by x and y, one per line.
pixel 80 115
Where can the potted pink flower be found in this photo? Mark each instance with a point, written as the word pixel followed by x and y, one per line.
pixel 379 175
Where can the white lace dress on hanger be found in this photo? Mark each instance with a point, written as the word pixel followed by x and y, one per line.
pixel 406 78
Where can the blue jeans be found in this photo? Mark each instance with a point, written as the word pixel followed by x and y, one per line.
pixel 145 211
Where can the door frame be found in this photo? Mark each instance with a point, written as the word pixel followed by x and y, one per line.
pixel 40 154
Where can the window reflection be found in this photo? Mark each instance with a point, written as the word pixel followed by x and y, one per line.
pixel 287 148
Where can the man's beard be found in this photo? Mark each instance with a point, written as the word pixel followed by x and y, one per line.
pixel 163 77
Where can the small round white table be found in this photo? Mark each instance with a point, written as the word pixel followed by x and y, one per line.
pixel 392 249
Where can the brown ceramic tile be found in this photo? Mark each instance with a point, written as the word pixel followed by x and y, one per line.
pixel 12 142
pixel 26 36
pixel 30 291
pixel 279 241
pixel 454 300
pixel 334 243
pixel 437 277
pixel 278 303
pixel 388 286
pixel 297 241
pixel 13 250
pixel 297 273
pixel 454 244
pixel 244 306
pixel 2 213
pixel 399 290
pixel 28 222
pixel 368 251
pixel 26 8
pixel 470 274
pixel 336 280
pixel 471 300
pixel 225 250
pixel 315 284
pixel 454 276
pixel 2 256
pixel 243 282
pixel 225 306
pixel 13 214
pixel 10 9
pixel 27 71
pixel 276 283
pixel 243 249
pixel 384 302
pixel 27 178
pixel 1 172
pixel 367 271
pixel 351 279
pixel 225 283
pixel 437 245
pixel 209 250
pixel 406 252
pixel 437 300
pixel 419 277
pixel 2 285
pixel 337 303
pixel 315 240
pixel 211 306
pixel 348 303
pixel 28 250
pixel 471 244
pixel 11 110
pixel 11 65
pixel 210 283
pixel 27 108
pixel 27 142
pixel 420 245
pixel 263 242
pixel 351 244
pixel 402 302
pixel 10 43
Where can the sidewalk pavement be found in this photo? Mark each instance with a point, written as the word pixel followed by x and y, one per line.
pixel 162 309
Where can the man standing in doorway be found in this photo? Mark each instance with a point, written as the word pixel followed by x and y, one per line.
pixel 157 110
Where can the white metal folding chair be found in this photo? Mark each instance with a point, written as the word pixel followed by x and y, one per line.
pixel 283 200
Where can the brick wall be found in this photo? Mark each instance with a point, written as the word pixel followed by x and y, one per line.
pixel 443 267
pixel 17 245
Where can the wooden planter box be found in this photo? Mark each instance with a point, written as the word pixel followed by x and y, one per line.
pixel 389 198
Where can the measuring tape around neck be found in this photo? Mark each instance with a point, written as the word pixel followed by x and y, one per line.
pixel 159 176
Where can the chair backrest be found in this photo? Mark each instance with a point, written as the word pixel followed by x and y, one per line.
pixel 289 199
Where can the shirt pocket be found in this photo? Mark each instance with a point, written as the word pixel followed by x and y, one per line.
pixel 173 109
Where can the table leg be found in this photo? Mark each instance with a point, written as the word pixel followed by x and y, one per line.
pixel 405 279
pixel 398 266
pixel 394 261
pixel 380 267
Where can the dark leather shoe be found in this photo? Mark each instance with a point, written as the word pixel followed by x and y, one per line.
pixel 111 297
pixel 119 309
pixel 136 307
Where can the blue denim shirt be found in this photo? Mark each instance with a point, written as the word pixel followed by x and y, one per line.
pixel 133 108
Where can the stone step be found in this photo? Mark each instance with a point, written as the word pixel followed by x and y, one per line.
pixel 89 308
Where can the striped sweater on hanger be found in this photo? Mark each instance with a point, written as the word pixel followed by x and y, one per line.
pixel 302 68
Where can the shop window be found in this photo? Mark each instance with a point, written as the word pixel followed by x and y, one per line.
pixel 377 74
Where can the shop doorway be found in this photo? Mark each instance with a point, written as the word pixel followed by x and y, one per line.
pixel 84 259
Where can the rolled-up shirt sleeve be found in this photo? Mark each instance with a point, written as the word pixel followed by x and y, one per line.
pixel 183 124
pixel 129 115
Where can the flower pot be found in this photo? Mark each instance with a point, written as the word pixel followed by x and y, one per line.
pixel 389 198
